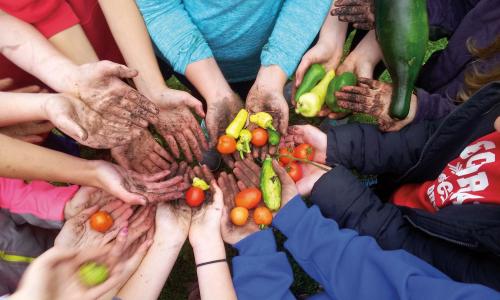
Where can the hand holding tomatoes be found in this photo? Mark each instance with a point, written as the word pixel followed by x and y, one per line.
pixel 304 152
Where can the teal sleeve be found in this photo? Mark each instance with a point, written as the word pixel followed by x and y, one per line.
pixel 298 24
pixel 175 36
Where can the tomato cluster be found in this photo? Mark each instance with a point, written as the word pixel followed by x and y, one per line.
pixel 246 200
pixel 291 158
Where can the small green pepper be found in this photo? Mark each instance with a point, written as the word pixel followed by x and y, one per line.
pixel 270 185
pixel 237 124
pixel 274 137
pixel 243 145
pixel 263 120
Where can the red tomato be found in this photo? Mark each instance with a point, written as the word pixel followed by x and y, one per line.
pixel 248 198
pixel 262 216
pixel 239 216
pixel 259 137
pixel 226 144
pixel 101 221
pixel 304 151
pixel 195 196
pixel 285 151
pixel 294 170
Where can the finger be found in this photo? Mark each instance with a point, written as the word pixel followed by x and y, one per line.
pixel 151 186
pixel 108 68
pixel 349 10
pixel 263 152
pixel 207 173
pixel 150 166
pixel 228 160
pixel 350 97
pixel 158 149
pixel 196 128
pixel 233 185
pixel 195 104
pixel 144 103
pixel 173 168
pixel 283 121
pixel 156 198
pixel 83 216
pixel 350 18
pixel 243 178
pixel 191 173
pixel 346 2
pixel 356 90
pixel 183 167
pixel 374 84
pixel 197 172
pixel 194 144
pixel 28 89
pixel 282 174
pixel 34 139
pixel 159 162
pixel 354 106
pixel 153 177
pixel 72 128
pixel 172 145
pixel 252 166
pixel 118 247
pixel 363 25
pixel 5 83
pixel 181 140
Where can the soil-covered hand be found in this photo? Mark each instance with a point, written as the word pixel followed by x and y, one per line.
pixel 309 134
pixel 374 98
pixel 84 198
pixel 231 233
pixel 248 174
pixel 359 12
pixel 143 154
pixel 220 113
pixel 31 132
pixel 99 85
pixel 178 125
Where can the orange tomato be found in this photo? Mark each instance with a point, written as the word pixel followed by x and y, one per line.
pixel 195 196
pixel 248 198
pixel 304 151
pixel 226 144
pixel 259 137
pixel 239 216
pixel 294 170
pixel 262 216
pixel 101 221
pixel 285 151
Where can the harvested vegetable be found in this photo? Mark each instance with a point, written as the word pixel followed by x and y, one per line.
pixel 304 151
pixel 274 137
pixel 259 137
pixel 248 198
pixel 262 216
pixel 263 120
pixel 200 183
pixel 402 31
pixel 270 185
pixel 101 221
pixel 239 216
pixel 237 124
pixel 344 79
pixel 310 104
pixel 284 152
pixel 226 144
pixel 243 145
pixel 294 171
pixel 92 274
pixel 315 73
pixel 195 196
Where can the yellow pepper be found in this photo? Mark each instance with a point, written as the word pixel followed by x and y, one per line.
pixel 200 183
pixel 237 124
pixel 262 119
pixel 243 145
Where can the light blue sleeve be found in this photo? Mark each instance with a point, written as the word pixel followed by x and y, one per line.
pixel 173 33
pixel 260 271
pixel 350 266
pixel 296 27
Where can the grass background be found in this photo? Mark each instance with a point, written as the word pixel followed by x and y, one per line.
pixel 184 272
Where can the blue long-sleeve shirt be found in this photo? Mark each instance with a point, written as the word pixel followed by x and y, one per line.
pixel 347 265
pixel 241 35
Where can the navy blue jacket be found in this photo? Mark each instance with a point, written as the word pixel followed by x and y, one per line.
pixel 462 241
pixel 347 266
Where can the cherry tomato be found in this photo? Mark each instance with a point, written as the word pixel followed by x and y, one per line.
pixel 285 151
pixel 195 196
pixel 294 170
pixel 248 198
pixel 226 144
pixel 259 137
pixel 262 216
pixel 239 216
pixel 304 151
pixel 101 221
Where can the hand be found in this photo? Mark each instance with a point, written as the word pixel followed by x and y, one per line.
pixel 364 58
pixel 85 198
pixel 220 113
pixel 140 223
pixel 202 172
pixel 288 188
pixel 134 188
pixel 143 154
pixel 231 233
pixel 31 132
pixel 86 126
pixel 178 125
pixel 374 98
pixel 99 85
pixel 205 221
pixel 359 12
pixel 172 223
pixel 310 174
pixel 326 53
pixel 309 134
pixel 248 174
pixel 54 275
pixel 77 233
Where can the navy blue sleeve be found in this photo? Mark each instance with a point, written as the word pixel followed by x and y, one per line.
pixel 370 151
pixel 432 106
pixel 448 14
pixel 349 266
pixel 260 271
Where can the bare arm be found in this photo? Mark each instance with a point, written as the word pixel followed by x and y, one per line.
pixel 74 44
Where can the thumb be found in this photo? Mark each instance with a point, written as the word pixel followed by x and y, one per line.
pixel 195 104
pixel 109 68
pixel 281 172
pixel 72 128
pixel 301 70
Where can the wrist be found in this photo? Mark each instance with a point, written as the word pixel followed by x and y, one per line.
pixel 95 172
pixel 209 250
pixel 68 79
pixel 272 77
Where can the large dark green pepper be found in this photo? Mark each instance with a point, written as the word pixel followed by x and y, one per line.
pixel 344 79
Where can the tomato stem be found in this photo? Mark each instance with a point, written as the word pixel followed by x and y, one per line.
pixel 306 161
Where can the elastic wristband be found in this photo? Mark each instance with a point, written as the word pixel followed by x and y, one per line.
pixel 211 262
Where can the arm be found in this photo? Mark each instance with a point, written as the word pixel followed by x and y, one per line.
pixel 364 58
pixel 432 106
pixel 354 267
pixel 74 44
pixel 366 149
pixel 260 271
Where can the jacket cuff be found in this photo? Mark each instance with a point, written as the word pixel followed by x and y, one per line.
pixel 331 147
pixel 422 105
pixel 288 217
pixel 261 242
pixel 58 20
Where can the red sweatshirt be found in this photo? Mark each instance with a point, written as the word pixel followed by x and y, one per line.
pixel 53 16
pixel 473 177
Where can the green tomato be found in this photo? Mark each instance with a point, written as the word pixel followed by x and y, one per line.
pixel 92 274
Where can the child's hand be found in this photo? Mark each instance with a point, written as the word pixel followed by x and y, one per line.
pixel 310 174
pixel 231 233
pixel 359 12
pixel 248 174
pixel 84 198
pixel 172 223
pixel 309 134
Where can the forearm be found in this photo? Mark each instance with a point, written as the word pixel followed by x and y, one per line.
pixel 333 32
pixel 22 107
pixel 27 161
pixel 214 279
pixel 148 280
pixel 368 49
pixel 208 79
pixel 74 44
pixel 132 37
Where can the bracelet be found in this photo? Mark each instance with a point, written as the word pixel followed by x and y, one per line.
pixel 211 262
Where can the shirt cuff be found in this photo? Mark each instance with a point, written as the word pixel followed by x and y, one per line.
pixel 276 57
pixel 261 242
pixel 289 216
pixel 60 19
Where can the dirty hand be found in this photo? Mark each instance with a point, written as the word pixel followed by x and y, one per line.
pixel 359 12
